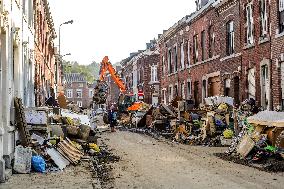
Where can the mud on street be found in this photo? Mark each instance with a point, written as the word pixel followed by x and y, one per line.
pixel 131 160
pixel 149 163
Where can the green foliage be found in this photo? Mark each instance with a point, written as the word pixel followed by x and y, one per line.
pixel 91 71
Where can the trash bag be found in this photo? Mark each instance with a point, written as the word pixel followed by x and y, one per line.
pixel 38 164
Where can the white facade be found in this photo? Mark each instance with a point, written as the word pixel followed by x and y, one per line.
pixel 16 70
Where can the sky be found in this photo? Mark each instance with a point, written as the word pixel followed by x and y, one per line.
pixel 113 28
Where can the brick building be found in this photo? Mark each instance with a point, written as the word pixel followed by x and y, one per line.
pixel 78 90
pixel 226 47
pixel 196 59
pixel 256 54
pixel 142 75
pixel 44 51
pixel 114 91
pixel 277 52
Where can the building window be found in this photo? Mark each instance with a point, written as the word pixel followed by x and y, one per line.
pixel 203 43
pixel 204 89
pixel 176 59
pixel 251 83
pixel 171 91
pixel 227 89
pixel 79 93
pixel 81 85
pixel 230 37
pixel 211 41
pixel 90 93
pixel 195 49
pixel 264 19
pixel 188 52
pixel 154 74
pixel 69 93
pixel 80 104
pixel 182 55
pixel 249 24
pixel 198 4
pixel 164 97
pixel 182 90
pixel 281 16
pixel 164 66
pixel 176 90
pixel 170 68
pixel 188 89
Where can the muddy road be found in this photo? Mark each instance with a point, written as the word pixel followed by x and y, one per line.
pixel 149 163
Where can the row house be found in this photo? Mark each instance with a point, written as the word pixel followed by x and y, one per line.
pixel 142 75
pixel 19 65
pixel 45 57
pixel 78 90
pixel 226 47
pixel 16 71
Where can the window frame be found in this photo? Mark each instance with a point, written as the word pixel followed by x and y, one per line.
pixel 175 59
pixel 203 45
pixel 80 104
pixel 280 12
pixel 170 68
pixel 182 62
pixel 195 49
pixel 230 35
pixel 91 93
pixel 79 96
pixel 211 41
pixel 263 18
pixel 249 24
pixel 69 95
pixel 154 73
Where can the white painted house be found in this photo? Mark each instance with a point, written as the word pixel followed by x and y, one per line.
pixel 16 71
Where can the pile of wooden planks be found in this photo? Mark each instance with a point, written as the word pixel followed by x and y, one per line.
pixel 69 151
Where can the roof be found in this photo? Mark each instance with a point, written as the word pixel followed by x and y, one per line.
pixel 74 77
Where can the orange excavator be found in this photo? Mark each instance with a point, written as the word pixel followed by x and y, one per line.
pixel 101 89
pixel 107 66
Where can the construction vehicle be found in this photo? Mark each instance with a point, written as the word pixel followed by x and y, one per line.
pixel 101 89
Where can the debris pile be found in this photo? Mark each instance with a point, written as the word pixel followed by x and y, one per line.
pixel 260 143
pixel 52 139
pixel 212 124
pixel 100 92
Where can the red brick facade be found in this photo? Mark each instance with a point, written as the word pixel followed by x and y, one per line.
pixel 76 82
pixel 145 84
pixel 205 74
pixel 44 52
pixel 257 54
pixel 277 48
pixel 142 74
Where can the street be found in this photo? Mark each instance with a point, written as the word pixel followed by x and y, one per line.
pixel 148 163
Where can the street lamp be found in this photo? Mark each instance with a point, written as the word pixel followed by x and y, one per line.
pixel 59 52
pixel 68 54
pixel 68 22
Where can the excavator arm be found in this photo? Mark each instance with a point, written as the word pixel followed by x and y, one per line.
pixel 107 66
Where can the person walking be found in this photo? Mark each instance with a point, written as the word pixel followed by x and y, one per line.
pixel 112 118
